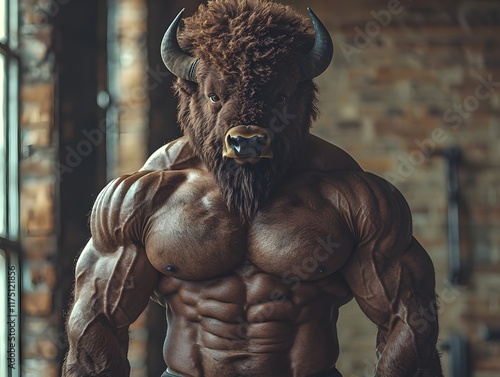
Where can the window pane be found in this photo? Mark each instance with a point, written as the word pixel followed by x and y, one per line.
pixel 13 17
pixel 3 19
pixel 3 159
pixel 13 151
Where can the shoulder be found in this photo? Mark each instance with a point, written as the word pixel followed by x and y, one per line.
pixel 177 154
pixel 375 210
pixel 122 207
pixel 367 187
pixel 322 156
pixel 370 202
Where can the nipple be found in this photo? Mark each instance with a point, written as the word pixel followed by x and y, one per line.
pixel 171 268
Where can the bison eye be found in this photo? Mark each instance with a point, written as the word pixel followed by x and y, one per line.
pixel 281 99
pixel 214 98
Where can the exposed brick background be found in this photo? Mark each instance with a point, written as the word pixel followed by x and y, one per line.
pixel 41 338
pixel 133 101
pixel 411 85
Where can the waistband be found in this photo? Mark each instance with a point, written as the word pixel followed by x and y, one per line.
pixel 330 373
pixel 168 374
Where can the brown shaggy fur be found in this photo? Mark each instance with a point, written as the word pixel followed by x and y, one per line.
pixel 249 51
pixel 247 37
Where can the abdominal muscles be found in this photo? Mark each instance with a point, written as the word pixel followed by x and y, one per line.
pixel 249 323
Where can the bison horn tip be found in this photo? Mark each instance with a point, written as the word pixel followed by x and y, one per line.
pixel 175 59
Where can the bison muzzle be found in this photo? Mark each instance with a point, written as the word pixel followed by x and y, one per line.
pixel 247 144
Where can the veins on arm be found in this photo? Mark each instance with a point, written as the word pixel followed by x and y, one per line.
pixel 114 280
pixel 392 279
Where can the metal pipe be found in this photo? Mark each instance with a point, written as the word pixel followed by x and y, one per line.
pixel 453 156
pixel 458 349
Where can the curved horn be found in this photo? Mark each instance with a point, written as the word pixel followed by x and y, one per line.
pixel 175 59
pixel 316 61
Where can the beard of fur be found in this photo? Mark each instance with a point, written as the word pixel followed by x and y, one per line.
pixel 245 187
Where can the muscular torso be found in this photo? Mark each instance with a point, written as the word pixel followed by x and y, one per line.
pixel 263 296
pixel 259 298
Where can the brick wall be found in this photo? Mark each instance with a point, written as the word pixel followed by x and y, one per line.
pixel 41 338
pixel 132 76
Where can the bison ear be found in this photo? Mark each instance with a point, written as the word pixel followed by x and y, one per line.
pixel 317 60
pixel 175 59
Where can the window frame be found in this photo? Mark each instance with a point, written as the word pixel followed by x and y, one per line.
pixel 10 175
pixel 10 250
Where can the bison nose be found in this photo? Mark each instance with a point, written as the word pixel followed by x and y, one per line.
pixel 247 144
pixel 245 147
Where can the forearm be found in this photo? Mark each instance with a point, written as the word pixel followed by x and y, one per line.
pixel 96 351
pixel 409 352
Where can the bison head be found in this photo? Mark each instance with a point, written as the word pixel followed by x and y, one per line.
pixel 245 89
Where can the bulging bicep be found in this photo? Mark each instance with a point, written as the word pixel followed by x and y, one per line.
pixel 389 272
pixel 114 286
pixel 113 275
